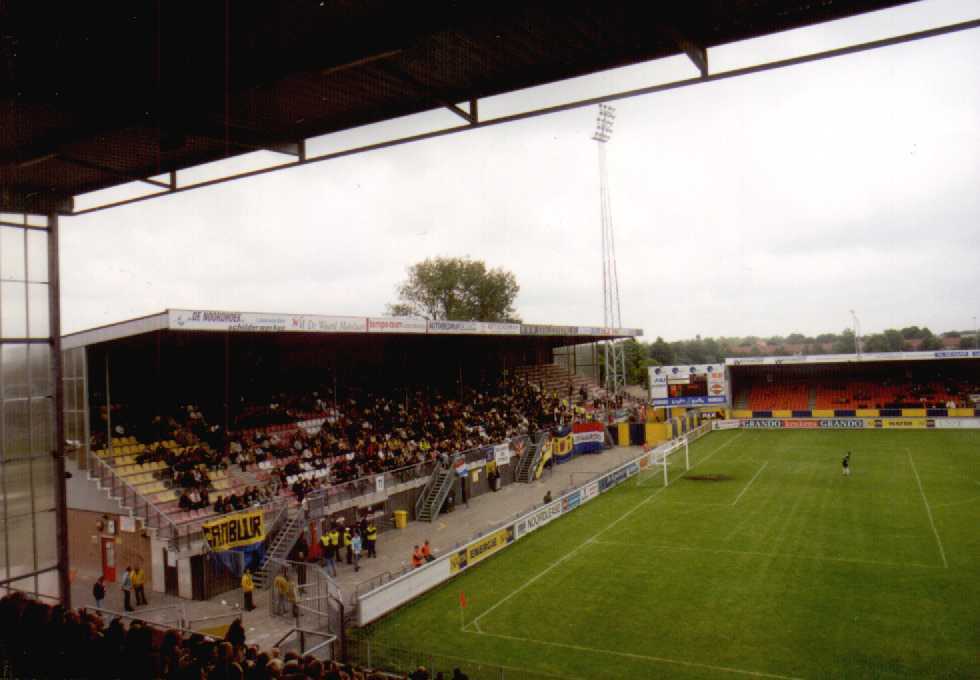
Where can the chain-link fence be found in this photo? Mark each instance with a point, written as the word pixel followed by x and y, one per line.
pixel 379 657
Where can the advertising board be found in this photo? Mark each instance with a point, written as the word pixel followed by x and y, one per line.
pixel 537 519
pixel 396 324
pixel 590 491
pixel 904 423
pixel 247 322
pixel 804 423
pixel 480 549
pixel 571 501
pixel 957 423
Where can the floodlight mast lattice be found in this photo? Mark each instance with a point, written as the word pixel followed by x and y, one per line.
pixel 615 360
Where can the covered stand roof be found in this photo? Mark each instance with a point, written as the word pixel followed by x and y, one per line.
pixel 95 95
pixel 211 321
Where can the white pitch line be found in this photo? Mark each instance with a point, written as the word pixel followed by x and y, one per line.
pixel 942 553
pixel 813 558
pixel 642 657
pixel 750 482
pixel 592 539
pixel 947 505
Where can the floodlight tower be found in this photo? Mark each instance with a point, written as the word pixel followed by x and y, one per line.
pixel 615 361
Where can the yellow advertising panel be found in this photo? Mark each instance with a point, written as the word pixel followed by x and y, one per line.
pixel 904 423
pixel 481 549
pixel 234 531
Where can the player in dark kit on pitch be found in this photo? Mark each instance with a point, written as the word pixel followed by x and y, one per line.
pixel 846 465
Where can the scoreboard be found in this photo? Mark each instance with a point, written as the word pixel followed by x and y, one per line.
pixel 697 385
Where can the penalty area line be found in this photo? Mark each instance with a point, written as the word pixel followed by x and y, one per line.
pixel 641 657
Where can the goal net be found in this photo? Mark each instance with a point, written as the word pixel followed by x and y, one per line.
pixel 667 462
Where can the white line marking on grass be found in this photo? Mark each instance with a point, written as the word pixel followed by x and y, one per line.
pixel 642 657
pixel 942 553
pixel 750 482
pixel 590 540
pixel 815 558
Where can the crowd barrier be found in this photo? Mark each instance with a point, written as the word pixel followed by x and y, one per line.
pixel 375 603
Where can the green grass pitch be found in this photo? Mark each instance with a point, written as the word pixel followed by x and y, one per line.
pixel 785 570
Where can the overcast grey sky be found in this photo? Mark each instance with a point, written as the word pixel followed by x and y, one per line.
pixel 761 205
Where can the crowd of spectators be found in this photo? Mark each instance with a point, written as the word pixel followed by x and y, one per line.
pixel 43 641
pixel 361 433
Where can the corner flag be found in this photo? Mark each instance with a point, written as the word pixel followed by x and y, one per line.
pixel 462 600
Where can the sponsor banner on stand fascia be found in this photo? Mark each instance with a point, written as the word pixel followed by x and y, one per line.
pixel 537 519
pixel 396 324
pixel 691 401
pixel 501 454
pixel 212 320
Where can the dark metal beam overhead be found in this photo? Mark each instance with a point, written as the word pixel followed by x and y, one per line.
pixel 94 95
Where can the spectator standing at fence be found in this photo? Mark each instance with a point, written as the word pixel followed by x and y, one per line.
pixel 98 592
pixel 347 545
pixel 372 539
pixel 356 549
pixel 247 587
pixel 280 590
pixel 127 586
pixel 139 586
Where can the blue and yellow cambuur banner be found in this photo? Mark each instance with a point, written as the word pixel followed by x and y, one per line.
pixel 235 531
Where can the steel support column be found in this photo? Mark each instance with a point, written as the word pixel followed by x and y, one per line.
pixel 61 491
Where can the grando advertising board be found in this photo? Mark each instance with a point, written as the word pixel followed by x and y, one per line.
pixel 804 424
pixel 958 423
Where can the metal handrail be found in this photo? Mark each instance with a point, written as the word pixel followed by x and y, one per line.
pixel 116 479
pixel 181 617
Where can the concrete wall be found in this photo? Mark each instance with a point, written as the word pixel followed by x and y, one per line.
pixel 85 545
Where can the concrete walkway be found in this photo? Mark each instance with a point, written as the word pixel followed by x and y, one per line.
pixel 449 532
pixel 452 530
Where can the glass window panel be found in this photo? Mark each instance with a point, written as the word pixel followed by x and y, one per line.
pixel 17 478
pixel 16 435
pixel 37 220
pixel 39 322
pixel 47 539
pixel 13 310
pixel 37 256
pixel 47 584
pixel 13 363
pixel 20 534
pixel 42 425
pixel 44 480
pixel 70 396
pixel 40 365
pixel 11 254
pixel 80 395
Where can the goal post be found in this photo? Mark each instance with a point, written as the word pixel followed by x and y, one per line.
pixel 674 454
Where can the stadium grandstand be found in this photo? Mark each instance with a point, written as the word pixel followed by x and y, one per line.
pixel 943 383
pixel 196 445
pixel 188 415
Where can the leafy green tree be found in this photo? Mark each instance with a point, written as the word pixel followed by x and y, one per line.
pixel 662 353
pixel 457 289
pixel 844 343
